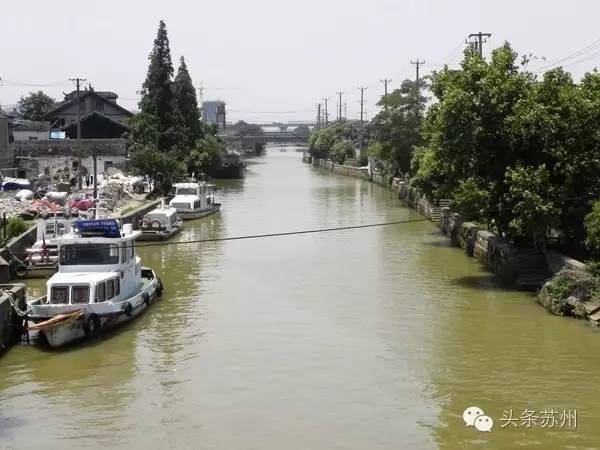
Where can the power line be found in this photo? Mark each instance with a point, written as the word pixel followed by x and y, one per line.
pixel 287 233
pixel 593 46
pixel 262 236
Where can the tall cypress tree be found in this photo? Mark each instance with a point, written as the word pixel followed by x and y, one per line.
pixel 157 94
pixel 187 103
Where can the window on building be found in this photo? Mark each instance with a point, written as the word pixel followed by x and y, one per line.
pixel 81 294
pixel 82 106
pixel 99 105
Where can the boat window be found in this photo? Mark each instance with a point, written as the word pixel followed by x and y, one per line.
pixel 123 253
pixel 110 289
pixel 59 295
pixel 185 191
pixel 197 204
pixel 181 205
pixel 117 286
pixel 131 250
pixel 80 294
pixel 100 292
pixel 89 254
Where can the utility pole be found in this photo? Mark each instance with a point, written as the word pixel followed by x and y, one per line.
pixel 362 103
pixel 479 41
pixel 385 82
pixel 345 110
pixel 340 104
pixel 326 113
pixel 318 116
pixel 78 82
pixel 418 65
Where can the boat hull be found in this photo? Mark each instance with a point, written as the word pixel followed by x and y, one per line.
pixel 190 215
pixel 149 236
pixel 92 319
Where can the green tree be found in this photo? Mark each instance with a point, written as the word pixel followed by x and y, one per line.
pixel 592 228
pixel 398 126
pixel 187 103
pixel 35 106
pixel 530 203
pixel 157 93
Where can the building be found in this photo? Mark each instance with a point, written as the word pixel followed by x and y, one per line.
pixel 214 112
pixel 38 159
pixel 100 115
pixel 6 150
pixel 29 130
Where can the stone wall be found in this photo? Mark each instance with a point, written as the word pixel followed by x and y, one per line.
pixel 349 171
pixel 557 262
pixel 10 322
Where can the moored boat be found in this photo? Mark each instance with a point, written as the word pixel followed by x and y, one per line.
pixel 194 200
pixel 41 259
pixel 100 284
pixel 160 224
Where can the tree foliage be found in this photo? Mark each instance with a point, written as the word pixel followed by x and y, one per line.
pixel 335 142
pixel 186 103
pixel 515 151
pixel 167 140
pixel 397 127
pixel 35 106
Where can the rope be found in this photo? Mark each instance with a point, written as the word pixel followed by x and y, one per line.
pixel 16 307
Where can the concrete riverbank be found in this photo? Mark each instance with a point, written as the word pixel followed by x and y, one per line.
pixel 11 322
pixel 563 284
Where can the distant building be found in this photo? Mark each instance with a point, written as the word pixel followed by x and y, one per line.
pixel 6 150
pixel 214 112
pixel 29 130
pixel 101 116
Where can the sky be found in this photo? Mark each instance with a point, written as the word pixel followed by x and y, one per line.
pixel 274 60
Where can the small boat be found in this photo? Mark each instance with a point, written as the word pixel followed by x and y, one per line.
pixel 233 166
pixel 160 224
pixel 100 284
pixel 194 200
pixel 41 258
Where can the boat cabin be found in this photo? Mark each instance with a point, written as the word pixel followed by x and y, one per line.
pixel 193 196
pixel 97 263
pixel 52 228
pixel 164 218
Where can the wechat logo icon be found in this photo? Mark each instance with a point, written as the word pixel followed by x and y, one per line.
pixel 475 417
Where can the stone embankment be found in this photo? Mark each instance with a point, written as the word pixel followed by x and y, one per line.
pixel 563 284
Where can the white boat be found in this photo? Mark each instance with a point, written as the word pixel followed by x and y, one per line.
pixel 160 224
pixel 194 200
pixel 41 258
pixel 100 283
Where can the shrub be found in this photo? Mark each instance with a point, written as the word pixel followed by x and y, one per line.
pixel 15 226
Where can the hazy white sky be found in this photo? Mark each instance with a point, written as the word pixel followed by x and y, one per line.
pixel 273 59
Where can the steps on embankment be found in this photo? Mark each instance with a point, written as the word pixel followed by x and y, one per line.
pixel 532 270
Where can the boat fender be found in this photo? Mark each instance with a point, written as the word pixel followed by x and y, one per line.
pixel 21 270
pixel 127 309
pixel 159 287
pixel 91 325
pixel 146 298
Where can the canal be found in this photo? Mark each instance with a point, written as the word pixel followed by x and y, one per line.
pixel 373 338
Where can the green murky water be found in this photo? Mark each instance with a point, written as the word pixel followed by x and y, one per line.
pixel 366 339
